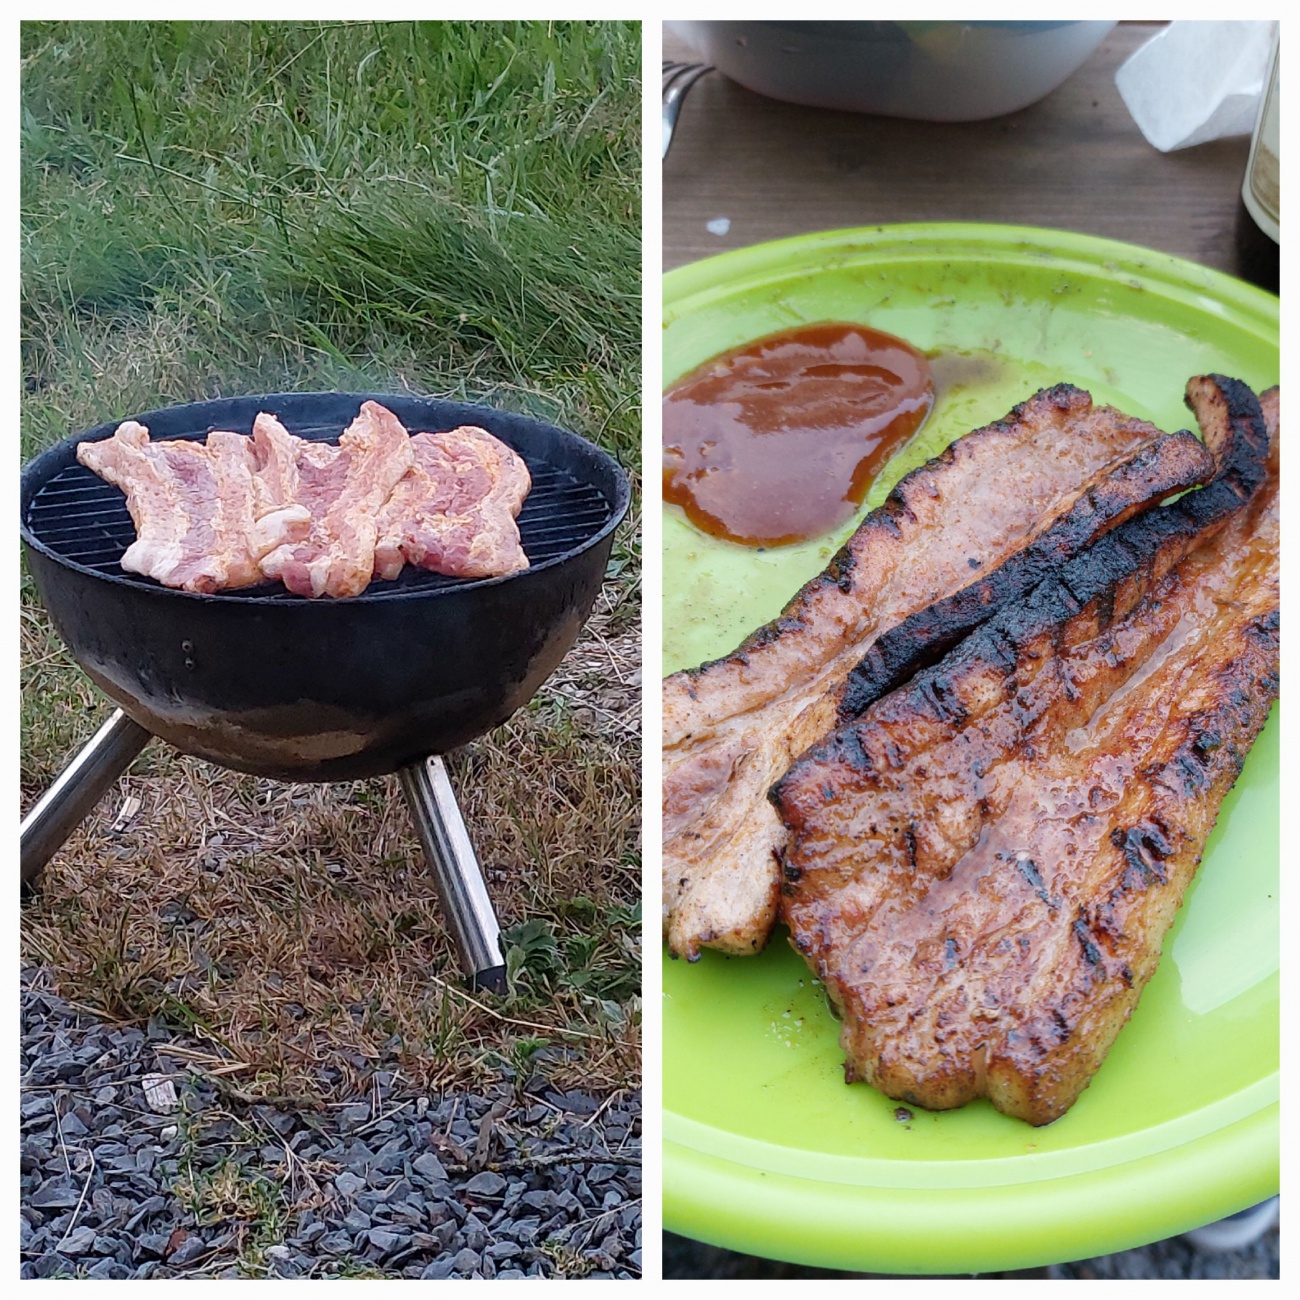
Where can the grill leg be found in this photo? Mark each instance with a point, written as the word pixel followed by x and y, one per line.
pixel 456 872
pixel 78 788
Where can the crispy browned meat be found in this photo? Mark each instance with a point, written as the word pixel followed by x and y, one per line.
pixel 984 865
pixel 454 513
pixel 1006 502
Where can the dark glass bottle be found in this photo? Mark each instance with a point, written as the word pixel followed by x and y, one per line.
pixel 1257 232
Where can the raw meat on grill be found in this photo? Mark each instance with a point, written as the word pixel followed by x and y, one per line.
pixel 454 513
pixel 200 522
pixel 322 519
pixel 344 488
pixel 1040 484
pixel 984 865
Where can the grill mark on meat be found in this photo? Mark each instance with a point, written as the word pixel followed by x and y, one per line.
pixel 1113 825
pixel 732 726
pixel 1145 847
pixel 1091 953
pixel 1027 868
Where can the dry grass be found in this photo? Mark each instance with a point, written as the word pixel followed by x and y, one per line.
pixel 296 930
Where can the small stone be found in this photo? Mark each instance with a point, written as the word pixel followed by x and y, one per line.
pixel 78 1241
pixel 349 1183
pixel 429 1167
pixel 486 1184
pixel 159 1090
pixel 34 1104
pixel 72 1127
pixel 108 1268
pixel 502 1250
pixel 189 1249
pixel 383 1241
pixel 524 1231
pixel 438 1270
pixel 147 1208
pixel 276 1119
pixel 54 1198
pixel 151 1245
pixel 465 1262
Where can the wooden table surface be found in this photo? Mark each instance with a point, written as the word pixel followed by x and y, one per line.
pixel 1074 161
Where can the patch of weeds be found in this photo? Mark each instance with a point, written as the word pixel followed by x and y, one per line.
pixel 566 1261
pixel 520 1056
pixel 347 1266
pixel 603 956
pixel 531 952
pixel 225 1192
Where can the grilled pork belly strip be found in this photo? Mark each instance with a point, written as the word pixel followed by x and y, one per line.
pixel 1045 481
pixel 455 512
pixel 984 866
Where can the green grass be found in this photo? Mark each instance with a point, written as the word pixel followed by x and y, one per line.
pixel 449 207
pixel 443 208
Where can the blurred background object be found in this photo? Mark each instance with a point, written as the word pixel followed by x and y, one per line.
pixel 933 71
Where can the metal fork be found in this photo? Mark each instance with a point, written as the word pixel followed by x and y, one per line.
pixel 678 79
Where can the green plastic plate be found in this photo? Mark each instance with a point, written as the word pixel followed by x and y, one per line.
pixel 766 1149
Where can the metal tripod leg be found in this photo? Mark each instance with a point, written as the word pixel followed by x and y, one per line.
pixel 78 788
pixel 456 872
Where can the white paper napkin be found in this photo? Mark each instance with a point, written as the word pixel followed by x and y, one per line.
pixel 1197 81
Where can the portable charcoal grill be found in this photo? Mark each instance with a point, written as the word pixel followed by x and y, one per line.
pixel 267 682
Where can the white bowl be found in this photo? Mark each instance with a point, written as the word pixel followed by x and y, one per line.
pixel 934 71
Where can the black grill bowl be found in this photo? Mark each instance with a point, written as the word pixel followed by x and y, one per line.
pixel 323 690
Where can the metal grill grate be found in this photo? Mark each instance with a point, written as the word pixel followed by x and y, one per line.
pixel 85 520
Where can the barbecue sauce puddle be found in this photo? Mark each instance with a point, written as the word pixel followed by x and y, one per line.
pixel 717 590
pixel 779 441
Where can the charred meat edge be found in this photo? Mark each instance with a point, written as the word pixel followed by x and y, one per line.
pixel 1234 428
pixel 1178 461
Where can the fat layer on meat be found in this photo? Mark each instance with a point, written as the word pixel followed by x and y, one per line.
pixel 201 524
pixel 343 487
pixel 983 866
pixel 1045 482
pixel 455 512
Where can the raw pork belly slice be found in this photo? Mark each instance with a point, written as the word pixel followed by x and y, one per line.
pixel 342 487
pixel 1040 484
pixel 984 865
pixel 198 517
pixel 455 512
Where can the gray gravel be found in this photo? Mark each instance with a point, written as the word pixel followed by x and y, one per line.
pixel 512 1182
pixel 1174 1258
